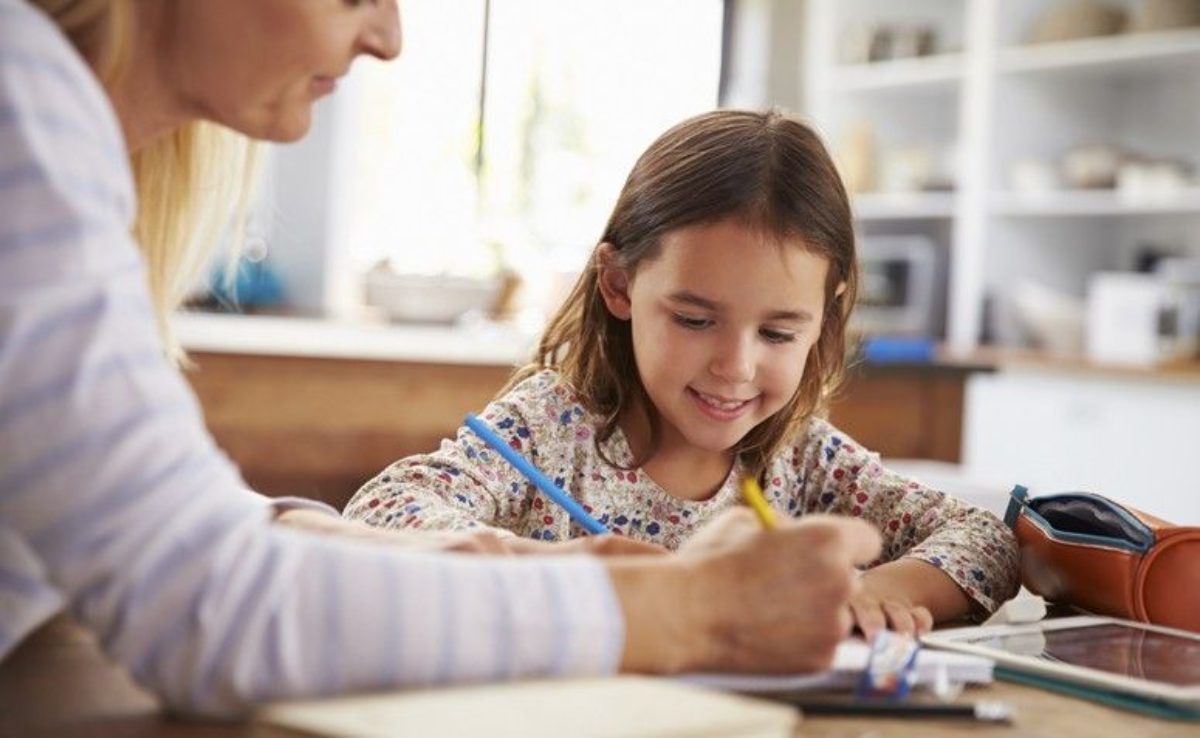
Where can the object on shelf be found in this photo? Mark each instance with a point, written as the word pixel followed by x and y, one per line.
pixel 896 286
pixel 1050 319
pixel 1182 320
pixel 857 157
pixel 1161 15
pixel 422 298
pixel 862 43
pixel 1126 313
pixel 1076 19
pixel 1029 176
pixel 917 168
pixel 1091 166
pixel 911 40
pixel 898 349
pixel 854 46
pixel 250 285
pixel 1144 179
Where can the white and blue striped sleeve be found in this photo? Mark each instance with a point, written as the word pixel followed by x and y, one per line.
pixel 115 503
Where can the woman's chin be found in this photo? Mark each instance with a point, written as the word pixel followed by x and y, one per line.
pixel 282 128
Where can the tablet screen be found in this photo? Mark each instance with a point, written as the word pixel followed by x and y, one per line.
pixel 1108 647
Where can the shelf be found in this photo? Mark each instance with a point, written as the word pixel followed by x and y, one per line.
pixel 903 206
pixel 941 71
pixel 1094 203
pixel 1161 50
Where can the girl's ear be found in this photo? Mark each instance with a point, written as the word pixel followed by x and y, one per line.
pixel 840 290
pixel 613 281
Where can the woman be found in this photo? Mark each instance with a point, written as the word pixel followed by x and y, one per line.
pixel 114 502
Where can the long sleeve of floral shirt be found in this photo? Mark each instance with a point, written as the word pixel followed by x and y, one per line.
pixel 464 484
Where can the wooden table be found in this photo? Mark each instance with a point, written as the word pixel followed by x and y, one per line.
pixel 57 683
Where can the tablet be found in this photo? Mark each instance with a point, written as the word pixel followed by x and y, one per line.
pixel 1148 661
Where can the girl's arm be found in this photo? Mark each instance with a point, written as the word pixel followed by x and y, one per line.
pixel 939 553
pixel 465 485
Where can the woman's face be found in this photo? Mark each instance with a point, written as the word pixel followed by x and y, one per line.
pixel 257 66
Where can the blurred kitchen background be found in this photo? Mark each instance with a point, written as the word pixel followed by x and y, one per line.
pixel 1024 176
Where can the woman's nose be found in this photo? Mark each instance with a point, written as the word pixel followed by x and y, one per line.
pixel 382 36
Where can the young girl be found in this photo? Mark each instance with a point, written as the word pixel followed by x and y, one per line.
pixel 699 346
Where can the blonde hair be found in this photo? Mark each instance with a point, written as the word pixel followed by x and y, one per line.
pixel 767 170
pixel 190 183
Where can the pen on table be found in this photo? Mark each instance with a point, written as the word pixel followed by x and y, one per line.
pixel 541 481
pixel 986 711
pixel 753 496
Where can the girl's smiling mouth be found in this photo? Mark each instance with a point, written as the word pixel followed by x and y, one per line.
pixel 720 408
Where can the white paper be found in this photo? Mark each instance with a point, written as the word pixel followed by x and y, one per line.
pixel 849 661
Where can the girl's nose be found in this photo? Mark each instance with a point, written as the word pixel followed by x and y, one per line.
pixel 734 360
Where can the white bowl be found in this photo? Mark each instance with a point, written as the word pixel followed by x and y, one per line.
pixel 421 298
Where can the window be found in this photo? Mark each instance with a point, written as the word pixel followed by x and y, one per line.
pixel 506 129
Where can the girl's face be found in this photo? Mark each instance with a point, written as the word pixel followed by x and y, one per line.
pixel 257 66
pixel 722 320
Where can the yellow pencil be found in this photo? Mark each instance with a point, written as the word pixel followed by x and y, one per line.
pixel 753 495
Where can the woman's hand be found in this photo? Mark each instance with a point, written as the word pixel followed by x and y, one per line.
pixel 480 541
pixel 602 545
pixel 741 598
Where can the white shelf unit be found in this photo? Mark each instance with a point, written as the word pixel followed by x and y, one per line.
pixel 943 70
pixel 883 206
pixel 997 101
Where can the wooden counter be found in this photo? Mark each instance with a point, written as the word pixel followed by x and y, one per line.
pixel 321 426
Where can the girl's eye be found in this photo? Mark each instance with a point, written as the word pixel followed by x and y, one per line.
pixel 774 336
pixel 692 324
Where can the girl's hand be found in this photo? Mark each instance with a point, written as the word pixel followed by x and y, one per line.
pixel 874 611
pixel 908 596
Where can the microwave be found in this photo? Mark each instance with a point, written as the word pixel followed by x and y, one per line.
pixel 897 286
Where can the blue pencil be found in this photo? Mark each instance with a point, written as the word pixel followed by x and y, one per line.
pixel 541 481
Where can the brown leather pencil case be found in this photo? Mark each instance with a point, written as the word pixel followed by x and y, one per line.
pixel 1087 550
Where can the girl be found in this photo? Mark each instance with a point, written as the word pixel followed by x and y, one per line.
pixel 116 505
pixel 700 345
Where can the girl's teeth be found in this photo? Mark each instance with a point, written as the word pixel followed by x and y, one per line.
pixel 720 404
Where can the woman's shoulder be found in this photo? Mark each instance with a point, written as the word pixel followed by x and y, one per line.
pixel 55 118
pixel 41 70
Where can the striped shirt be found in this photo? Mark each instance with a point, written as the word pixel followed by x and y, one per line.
pixel 116 505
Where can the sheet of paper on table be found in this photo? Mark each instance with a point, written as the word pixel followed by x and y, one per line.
pixel 848 662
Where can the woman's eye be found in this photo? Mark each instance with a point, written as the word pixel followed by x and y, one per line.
pixel 774 336
pixel 693 324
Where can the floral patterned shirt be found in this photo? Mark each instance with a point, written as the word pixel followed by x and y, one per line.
pixel 466 485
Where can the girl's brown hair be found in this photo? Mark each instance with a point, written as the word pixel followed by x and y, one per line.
pixel 768 170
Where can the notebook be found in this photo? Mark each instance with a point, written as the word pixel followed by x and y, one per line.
pixel 848 663
pixel 613 707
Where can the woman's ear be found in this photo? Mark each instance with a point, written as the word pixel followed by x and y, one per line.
pixel 613 281
pixel 840 289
